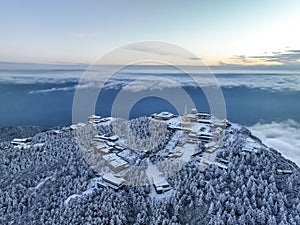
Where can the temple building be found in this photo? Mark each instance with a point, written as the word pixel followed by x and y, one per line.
pixel 185 120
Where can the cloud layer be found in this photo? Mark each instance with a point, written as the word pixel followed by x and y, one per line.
pixel 161 78
pixel 283 136
pixel 271 82
pixel 287 57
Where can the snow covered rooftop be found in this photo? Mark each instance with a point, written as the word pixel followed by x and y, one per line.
pixel 163 115
pixel 249 149
pixel 111 138
pixel 21 140
pixel 95 117
pixel 76 126
pixel 205 121
pixel 115 162
pixel 221 165
pixel 21 143
pixel 113 179
pixel 284 171
pixel 162 186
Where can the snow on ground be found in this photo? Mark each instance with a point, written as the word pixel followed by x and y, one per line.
pixel 154 174
pixel 91 187
pixel 40 184
pixel 39 145
pixel 172 143
pixel 66 202
pixel 207 159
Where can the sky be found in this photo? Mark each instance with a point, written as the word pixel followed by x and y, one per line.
pixel 219 32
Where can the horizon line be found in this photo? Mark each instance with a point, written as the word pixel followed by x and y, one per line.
pixel 231 66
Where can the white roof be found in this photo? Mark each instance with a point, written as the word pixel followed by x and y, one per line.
pixel 95 117
pixel 284 171
pixel 195 127
pixel 164 114
pixel 108 157
pixel 114 157
pixel 57 131
pixel 117 164
pixel 73 127
pixel 111 138
pixel 249 149
pixel 105 150
pixel 205 134
pixel 119 147
pixel 113 179
pixel 211 144
pixel 161 183
pixel 194 110
pixel 110 143
pixel 20 139
pixel 221 165
pixel 203 113
pixel 204 121
pixel 191 115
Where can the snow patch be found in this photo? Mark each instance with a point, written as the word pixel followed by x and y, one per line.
pixel 90 188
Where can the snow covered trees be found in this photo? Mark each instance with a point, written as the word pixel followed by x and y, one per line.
pixel 142 134
pixel 35 183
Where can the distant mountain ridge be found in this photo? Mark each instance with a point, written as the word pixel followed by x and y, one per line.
pixel 8 133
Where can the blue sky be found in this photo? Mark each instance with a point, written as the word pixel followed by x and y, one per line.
pixel 220 32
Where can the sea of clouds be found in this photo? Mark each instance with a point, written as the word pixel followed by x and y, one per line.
pixel 283 136
pixel 171 77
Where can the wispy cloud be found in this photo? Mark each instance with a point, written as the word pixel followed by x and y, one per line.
pixel 160 49
pixel 146 49
pixel 287 57
pixel 52 90
pixel 241 59
pixel 194 58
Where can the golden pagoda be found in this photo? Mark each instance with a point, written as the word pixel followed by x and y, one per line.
pixel 185 120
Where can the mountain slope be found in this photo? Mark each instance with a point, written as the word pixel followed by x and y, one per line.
pixel 51 183
pixel 8 133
